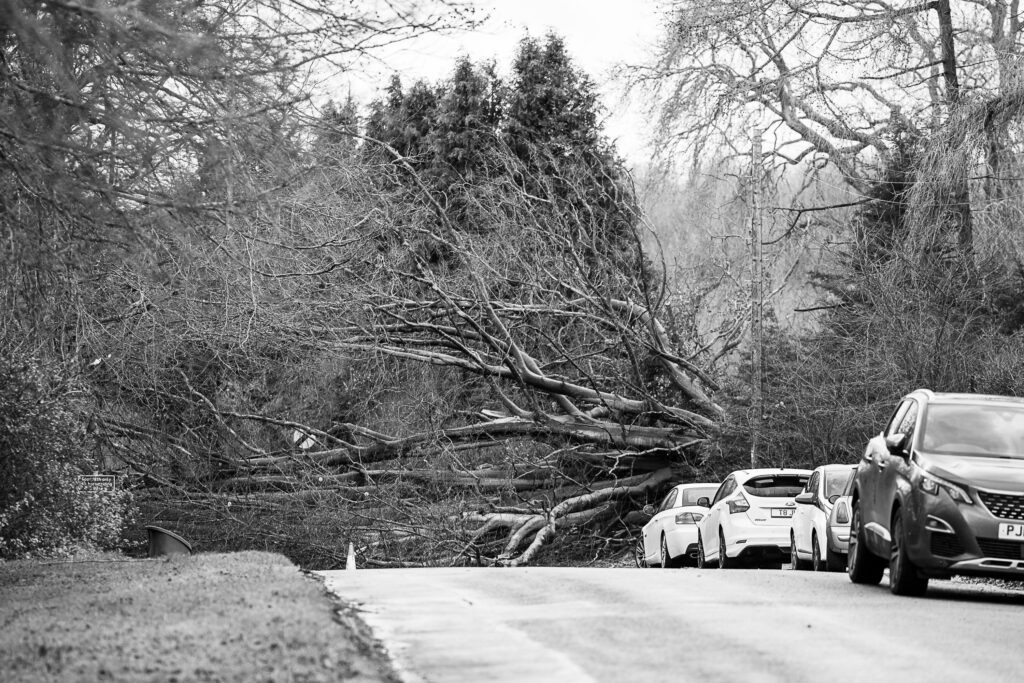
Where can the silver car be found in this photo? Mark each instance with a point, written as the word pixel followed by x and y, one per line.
pixel 837 530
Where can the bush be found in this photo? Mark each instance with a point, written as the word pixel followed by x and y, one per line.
pixel 44 508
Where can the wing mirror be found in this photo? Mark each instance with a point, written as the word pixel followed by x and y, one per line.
pixel 805 498
pixel 897 444
pixel 833 498
pixel 704 502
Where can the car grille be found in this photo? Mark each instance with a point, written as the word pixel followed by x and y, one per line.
pixel 1003 505
pixel 946 545
pixel 1003 550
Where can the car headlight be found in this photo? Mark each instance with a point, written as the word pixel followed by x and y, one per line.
pixel 931 484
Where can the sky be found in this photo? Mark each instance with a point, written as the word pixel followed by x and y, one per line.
pixel 599 34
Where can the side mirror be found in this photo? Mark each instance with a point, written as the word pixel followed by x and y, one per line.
pixel 704 502
pixel 649 510
pixel 833 498
pixel 805 498
pixel 897 444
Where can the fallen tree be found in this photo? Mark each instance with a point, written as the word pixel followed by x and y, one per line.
pixel 568 402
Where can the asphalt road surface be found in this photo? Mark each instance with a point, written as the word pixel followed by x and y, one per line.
pixel 562 624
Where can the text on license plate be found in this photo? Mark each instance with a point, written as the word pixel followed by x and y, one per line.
pixel 782 512
pixel 1011 531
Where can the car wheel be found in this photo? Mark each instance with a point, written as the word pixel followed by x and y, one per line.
pixel 795 563
pixel 817 564
pixel 903 576
pixel 861 565
pixel 667 562
pixel 724 561
pixel 639 556
pixel 702 560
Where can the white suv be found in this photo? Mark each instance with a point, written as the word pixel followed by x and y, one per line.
pixel 750 518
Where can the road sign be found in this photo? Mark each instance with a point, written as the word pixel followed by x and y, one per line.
pixel 98 483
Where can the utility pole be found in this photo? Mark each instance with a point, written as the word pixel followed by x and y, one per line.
pixel 756 298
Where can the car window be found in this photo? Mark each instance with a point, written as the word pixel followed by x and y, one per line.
pixel 775 485
pixel 669 501
pixel 897 418
pixel 812 483
pixel 848 490
pixel 836 481
pixel 691 495
pixel 724 490
pixel 909 421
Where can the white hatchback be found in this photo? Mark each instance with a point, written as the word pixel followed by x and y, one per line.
pixel 669 539
pixel 750 517
pixel 809 546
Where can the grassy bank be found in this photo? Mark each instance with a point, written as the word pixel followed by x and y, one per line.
pixel 220 617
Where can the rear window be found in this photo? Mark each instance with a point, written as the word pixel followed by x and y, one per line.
pixel 776 485
pixel 836 481
pixel 691 496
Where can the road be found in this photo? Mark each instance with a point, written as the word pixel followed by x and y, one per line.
pixel 588 624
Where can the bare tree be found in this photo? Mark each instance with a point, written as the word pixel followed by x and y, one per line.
pixel 838 83
pixel 118 114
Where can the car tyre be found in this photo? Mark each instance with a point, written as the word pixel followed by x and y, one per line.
pixel 862 566
pixel 702 560
pixel 667 561
pixel 639 556
pixel 903 576
pixel 724 561
pixel 795 563
pixel 817 563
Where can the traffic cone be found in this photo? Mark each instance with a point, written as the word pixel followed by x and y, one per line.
pixel 350 561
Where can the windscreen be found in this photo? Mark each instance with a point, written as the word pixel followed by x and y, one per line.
pixel 836 480
pixel 690 496
pixel 987 430
pixel 776 485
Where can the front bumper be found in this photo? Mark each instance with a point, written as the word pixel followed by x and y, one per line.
pixel 947 538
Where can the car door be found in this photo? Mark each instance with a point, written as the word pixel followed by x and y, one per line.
pixel 710 523
pixel 872 467
pixel 894 465
pixel 653 529
pixel 803 517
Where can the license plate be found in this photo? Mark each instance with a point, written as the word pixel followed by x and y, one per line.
pixel 1011 531
pixel 784 512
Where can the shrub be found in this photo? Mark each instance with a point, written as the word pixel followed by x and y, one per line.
pixel 44 508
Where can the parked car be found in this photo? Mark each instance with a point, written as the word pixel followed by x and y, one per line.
pixel 807 536
pixel 749 518
pixel 940 491
pixel 837 530
pixel 669 539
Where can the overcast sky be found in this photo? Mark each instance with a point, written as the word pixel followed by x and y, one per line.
pixel 598 34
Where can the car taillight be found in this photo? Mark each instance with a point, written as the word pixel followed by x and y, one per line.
pixel 843 514
pixel 685 518
pixel 738 504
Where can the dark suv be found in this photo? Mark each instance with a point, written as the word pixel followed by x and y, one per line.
pixel 941 492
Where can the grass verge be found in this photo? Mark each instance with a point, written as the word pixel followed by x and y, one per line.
pixel 246 616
